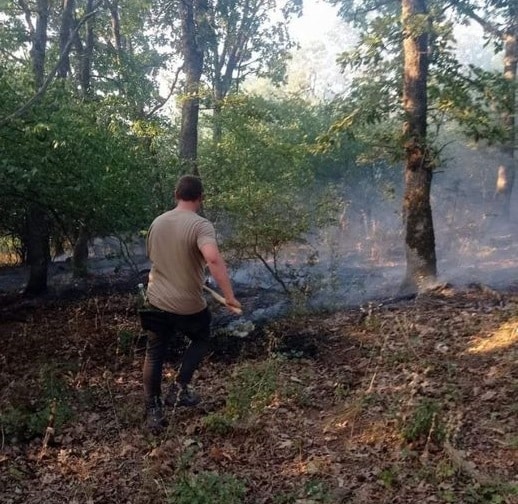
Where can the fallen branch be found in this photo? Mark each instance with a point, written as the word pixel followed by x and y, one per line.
pixel 464 466
pixel 49 431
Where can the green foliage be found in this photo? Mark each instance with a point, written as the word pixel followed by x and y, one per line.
pixel 79 154
pixel 317 490
pixel 261 27
pixel 125 342
pixel 81 164
pixel 252 387
pixel 388 476
pixel 496 493
pixel 259 177
pixel 218 423
pixel 473 98
pixel 207 488
pixel 313 491
pixel 424 423
pixel 26 420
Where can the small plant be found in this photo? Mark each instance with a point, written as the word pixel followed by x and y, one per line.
pixel 388 477
pixel 125 342
pixel 299 394
pixel 340 392
pixel 497 493
pixel 424 423
pixel 252 388
pixel 444 470
pixel 217 423
pixel 285 498
pixel 13 421
pixel 24 422
pixel 207 488
pixel 26 419
pixel 371 317
pixel 317 491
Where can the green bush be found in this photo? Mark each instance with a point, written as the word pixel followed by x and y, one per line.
pixel 424 422
pixel 207 488
pixel 24 423
pixel 252 388
pixel 25 417
pixel 217 423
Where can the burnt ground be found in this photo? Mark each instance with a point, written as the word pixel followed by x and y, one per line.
pixel 403 402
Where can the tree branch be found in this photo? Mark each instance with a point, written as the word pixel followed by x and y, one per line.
pixel 50 77
pixel 163 101
pixel 484 23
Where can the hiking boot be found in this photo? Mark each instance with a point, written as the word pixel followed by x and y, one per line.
pixel 179 395
pixel 155 420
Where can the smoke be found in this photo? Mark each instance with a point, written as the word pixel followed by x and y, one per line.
pixel 361 255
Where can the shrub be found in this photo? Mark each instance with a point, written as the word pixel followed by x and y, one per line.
pixel 207 488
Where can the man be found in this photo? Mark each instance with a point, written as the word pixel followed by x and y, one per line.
pixel 180 243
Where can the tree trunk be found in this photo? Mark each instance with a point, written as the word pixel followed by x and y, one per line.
pixel 193 13
pixel 37 237
pixel 80 254
pixel 417 213
pixel 80 251
pixel 506 171
pixel 39 44
pixel 38 251
pixel 116 29
pixel 65 31
pixel 87 53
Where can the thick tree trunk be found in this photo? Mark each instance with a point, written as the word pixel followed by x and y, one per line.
pixel 116 29
pixel 38 251
pixel 80 251
pixel 417 213
pixel 39 43
pixel 193 14
pixel 37 237
pixel 66 29
pixel 506 171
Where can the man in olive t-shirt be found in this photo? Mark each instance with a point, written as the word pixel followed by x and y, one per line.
pixel 180 244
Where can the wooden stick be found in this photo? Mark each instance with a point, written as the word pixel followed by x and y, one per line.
pixel 220 299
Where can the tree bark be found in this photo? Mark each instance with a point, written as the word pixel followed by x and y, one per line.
pixel 85 74
pixel 38 250
pixel 38 239
pixel 80 253
pixel 193 14
pixel 66 29
pixel 507 170
pixel 39 43
pixel 421 267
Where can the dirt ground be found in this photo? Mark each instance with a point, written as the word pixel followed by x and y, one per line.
pixel 410 402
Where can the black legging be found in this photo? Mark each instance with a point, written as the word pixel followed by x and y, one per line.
pixel 164 326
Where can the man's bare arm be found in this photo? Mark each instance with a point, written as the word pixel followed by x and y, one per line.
pixel 218 269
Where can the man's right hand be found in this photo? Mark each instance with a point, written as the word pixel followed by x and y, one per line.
pixel 233 304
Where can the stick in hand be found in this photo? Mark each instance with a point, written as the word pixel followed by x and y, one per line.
pixel 220 299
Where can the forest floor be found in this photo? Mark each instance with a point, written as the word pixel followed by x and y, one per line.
pixel 410 402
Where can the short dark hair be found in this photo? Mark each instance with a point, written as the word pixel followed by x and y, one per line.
pixel 188 188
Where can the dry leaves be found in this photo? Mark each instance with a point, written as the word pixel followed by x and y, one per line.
pixel 349 424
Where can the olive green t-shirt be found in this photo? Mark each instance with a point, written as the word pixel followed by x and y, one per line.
pixel 177 271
